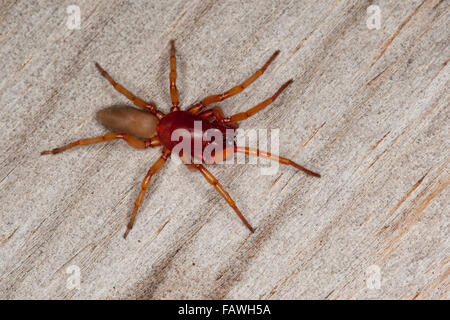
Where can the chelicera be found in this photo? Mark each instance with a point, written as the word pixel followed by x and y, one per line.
pixel 151 127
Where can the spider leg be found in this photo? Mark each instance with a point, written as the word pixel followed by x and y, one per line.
pixel 216 113
pixel 268 155
pixel 212 180
pixel 173 78
pixel 153 169
pixel 149 106
pixel 132 141
pixel 196 108
pixel 252 111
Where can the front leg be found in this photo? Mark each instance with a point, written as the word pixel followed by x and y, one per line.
pixel 173 79
pixel 197 108
pixel 216 113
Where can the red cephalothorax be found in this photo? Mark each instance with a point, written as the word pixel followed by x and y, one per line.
pixel 199 134
pixel 151 127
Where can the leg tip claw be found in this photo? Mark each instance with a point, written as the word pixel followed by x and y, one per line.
pixel 98 67
pixel 129 227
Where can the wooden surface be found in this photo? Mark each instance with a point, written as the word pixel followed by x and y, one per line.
pixel 369 110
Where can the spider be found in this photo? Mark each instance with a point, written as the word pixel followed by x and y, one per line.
pixel 150 127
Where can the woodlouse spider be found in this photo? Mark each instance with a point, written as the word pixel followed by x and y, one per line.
pixel 150 127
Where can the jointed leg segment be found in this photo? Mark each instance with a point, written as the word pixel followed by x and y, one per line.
pixel 196 108
pixel 217 113
pixel 268 155
pixel 173 78
pixel 132 141
pixel 252 111
pixel 151 107
pixel 212 180
pixel 153 169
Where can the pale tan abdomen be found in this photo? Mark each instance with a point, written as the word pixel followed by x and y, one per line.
pixel 138 123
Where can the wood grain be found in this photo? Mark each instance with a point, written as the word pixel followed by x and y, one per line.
pixel 368 109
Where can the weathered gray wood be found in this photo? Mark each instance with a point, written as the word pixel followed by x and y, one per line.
pixel 369 109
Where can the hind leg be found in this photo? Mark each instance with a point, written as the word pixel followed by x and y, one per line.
pixel 132 141
pixel 144 186
pixel 151 107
